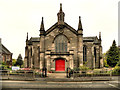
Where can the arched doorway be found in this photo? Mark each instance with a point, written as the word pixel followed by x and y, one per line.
pixel 60 65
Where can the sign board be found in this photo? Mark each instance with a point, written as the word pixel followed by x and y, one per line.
pixel 15 67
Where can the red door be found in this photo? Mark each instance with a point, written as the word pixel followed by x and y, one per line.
pixel 60 65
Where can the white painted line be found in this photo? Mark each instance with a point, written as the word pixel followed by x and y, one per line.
pixel 69 82
pixel 114 86
pixel 111 85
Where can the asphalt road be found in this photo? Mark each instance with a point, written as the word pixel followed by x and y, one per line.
pixel 43 84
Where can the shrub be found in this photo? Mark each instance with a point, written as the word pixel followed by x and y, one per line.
pixel 83 68
pixel 116 70
pixel 76 69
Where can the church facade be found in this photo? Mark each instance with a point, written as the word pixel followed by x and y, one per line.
pixel 61 46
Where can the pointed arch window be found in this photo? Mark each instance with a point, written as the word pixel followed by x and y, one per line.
pixel 95 54
pixel 84 54
pixel 31 51
pixel 61 43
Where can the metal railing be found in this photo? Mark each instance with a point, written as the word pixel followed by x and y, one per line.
pixel 89 76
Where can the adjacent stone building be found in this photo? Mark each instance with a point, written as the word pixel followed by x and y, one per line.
pixel 5 54
pixel 62 46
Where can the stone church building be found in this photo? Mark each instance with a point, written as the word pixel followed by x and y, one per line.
pixel 62 46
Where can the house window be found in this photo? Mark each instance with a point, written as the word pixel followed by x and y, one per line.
pixel 61 43
pixel 84 54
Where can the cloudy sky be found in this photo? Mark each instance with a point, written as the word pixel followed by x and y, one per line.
pixel 17 17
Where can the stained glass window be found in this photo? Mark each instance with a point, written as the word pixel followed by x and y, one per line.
pixel 61 43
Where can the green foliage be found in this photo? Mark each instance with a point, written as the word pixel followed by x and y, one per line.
pixel 3 67
pixel 113 55
pixel 84 68
pixel 96 71
pixel 105 59
pixel 105 63
pixel 3 63
pixel 116 70
pixel 76 69
pixel 19 60
pixel 13 62
pixel 118 63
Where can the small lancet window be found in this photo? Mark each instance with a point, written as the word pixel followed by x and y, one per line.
pixel 84 54
pixel 95 54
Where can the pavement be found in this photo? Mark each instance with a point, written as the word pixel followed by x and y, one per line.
pixel 59 80
pixel 38 84
pixel 61 77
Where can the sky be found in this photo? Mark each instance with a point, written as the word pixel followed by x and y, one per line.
pixel 17 17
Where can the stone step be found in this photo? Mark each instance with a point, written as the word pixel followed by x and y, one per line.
pixel 56 75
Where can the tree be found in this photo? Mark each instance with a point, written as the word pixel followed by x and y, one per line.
pixel 13 62
pixel 105 59
pixel 19 60
pixel 113 55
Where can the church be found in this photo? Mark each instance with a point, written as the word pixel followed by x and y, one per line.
pixel 61 46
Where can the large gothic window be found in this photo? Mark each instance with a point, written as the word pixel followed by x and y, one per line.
pixel 84 54
pixel 61 43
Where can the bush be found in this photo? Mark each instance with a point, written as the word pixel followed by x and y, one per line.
pixel 3 67
pixel 76 69
pixel 116 70
pixel 83 68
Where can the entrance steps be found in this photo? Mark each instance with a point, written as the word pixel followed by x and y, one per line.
pixel 56 75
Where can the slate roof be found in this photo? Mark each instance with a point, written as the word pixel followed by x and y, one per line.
pixel 65 25
pixel 91 39
pixel 85 39
pixel 5 50
pixel 35 39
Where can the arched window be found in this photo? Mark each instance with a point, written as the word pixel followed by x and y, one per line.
pixel 61 43
pixel 84 54
pixel 95 53
pixel 31 51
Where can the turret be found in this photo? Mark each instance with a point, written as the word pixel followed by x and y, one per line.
pixel 60 16
pixel 42 45
pixel 80 42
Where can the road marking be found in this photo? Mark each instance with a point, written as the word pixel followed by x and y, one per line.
pixel 69 82
pixel 111 85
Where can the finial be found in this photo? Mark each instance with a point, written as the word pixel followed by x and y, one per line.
pixel 100 35
pixel 42 19
pixel 60 6
pixel 42 30
pixel 80 24
pixel 60 15
pixel 27 36
pixel 42 25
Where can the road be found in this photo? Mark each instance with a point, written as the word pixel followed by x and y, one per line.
pixel 43 84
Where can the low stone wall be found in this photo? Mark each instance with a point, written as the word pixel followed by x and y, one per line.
pixel 21 75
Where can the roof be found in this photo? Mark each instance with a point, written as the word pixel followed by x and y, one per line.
pixel 5 50
pixel 85 39
pixel 91 39
pixel 65 25
pixel 35 39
